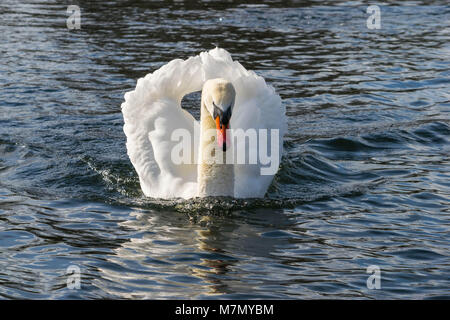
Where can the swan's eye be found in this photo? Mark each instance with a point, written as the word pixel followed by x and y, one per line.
pixel 224 116
pixel 217 112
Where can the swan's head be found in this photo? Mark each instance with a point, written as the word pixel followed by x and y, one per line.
pixel 218 96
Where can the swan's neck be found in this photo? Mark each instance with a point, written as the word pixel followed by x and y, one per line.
pixel 214 178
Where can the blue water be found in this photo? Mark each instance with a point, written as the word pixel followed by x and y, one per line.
pixel 364 180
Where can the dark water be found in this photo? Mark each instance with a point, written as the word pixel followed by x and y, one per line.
pixel 364 181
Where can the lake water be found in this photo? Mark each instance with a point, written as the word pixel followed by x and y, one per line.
pixel 364 180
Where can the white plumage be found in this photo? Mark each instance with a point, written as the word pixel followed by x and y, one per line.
pixel 153 111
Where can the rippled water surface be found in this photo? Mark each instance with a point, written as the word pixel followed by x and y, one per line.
pixel 364 180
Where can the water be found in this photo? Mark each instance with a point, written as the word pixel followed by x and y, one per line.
pixel 364 179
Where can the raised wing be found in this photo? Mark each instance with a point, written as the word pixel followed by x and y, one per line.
pixel 258 110
pixel 152 113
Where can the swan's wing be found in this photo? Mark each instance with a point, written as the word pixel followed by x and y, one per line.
pixel 257 106
pixel 260 111
pixel 152 113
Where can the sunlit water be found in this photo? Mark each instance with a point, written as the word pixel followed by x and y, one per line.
pixel 364 180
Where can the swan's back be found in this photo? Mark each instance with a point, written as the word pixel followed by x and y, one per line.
pixel 153 111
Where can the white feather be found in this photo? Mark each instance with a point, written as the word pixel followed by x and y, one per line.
pixel 153 111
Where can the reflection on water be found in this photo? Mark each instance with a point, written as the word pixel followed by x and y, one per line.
pixel 202 258
pixel 364 179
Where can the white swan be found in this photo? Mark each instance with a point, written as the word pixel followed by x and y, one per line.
pixel 233 97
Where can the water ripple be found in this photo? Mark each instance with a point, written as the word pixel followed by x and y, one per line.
pixel 364 178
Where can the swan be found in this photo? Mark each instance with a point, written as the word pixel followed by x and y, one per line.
pixel 233 99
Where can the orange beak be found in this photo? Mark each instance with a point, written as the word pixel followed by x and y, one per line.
pixel 222 134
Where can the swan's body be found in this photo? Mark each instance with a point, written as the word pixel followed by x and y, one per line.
pixel 152 113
